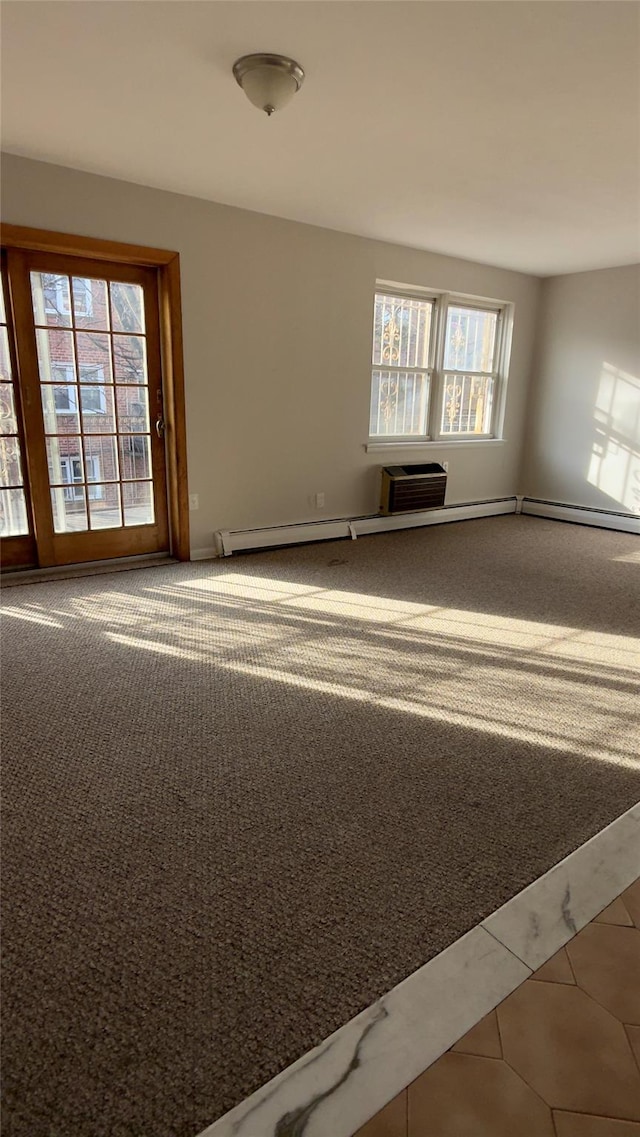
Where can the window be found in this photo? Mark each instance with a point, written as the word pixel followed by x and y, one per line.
pixel 56 295
pixel 65 394
pixel 94 401
pixel 71 469
pixel 438 367
pixel 401 373
pixel 66 400
pixel 469 375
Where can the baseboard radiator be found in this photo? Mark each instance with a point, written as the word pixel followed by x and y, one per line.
pixel 241 540
pixel 581 514
pixel 228 542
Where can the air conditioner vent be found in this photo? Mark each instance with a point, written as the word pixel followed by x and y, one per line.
pixel 408 489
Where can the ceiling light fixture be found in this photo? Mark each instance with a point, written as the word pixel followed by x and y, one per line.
pixel 268 81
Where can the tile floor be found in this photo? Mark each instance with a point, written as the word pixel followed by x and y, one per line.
pixel 560 1057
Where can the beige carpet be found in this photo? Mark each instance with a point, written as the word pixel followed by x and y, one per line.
pixel 244 798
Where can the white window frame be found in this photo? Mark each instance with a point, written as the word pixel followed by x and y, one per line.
pixel 64 374
pixel 71 390
pixel 437 374
pixel 74 486
pixel 61 307
pixel 427 369
pixel 102 409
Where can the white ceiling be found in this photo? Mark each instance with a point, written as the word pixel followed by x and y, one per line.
pixel 507 133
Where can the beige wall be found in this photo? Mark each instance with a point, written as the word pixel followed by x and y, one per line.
pixel 583 441
pixel 277 325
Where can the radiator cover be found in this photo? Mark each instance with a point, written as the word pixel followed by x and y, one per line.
pixel 407 489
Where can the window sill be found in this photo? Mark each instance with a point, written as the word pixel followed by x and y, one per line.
pixel 431 443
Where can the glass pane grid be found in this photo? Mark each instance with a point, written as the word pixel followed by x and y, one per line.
pixel 56 356
pixel 90 304
pixel 8 418
pixel 399 403
pixel 467 404
pixel 105 505
pixel 137 498
pixel 470 339
pixel 13 513
pixel 133 409
pixel 69 509
pixel 129 358
pixel 60 409
pixel 14 520
pixel 51 296
pixel 101 458
pixel 10 462
pixel 401 331
pixel 93 373
pixel 5 358
pixel 127 307
pixel 135 456
pixel 93 352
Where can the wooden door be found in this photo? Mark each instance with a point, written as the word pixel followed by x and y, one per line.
pixel 87 350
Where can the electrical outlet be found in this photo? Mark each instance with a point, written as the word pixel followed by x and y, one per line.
pixel 194 502
pixel 319 500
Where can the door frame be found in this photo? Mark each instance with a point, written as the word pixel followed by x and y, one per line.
pixel 167 266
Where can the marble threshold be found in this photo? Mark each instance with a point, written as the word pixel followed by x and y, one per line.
pixel 340 1084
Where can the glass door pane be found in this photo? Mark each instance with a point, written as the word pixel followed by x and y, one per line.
pixel 14 518
pixel 94 383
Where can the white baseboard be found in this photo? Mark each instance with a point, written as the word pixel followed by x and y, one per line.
pixel 232 541
pixel 582 515
pixel 236 540
pixel 229 542
pixel 465 512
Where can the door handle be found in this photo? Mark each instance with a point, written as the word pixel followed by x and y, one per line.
pixel 161 426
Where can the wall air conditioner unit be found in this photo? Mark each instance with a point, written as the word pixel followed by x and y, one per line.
pixel 408 489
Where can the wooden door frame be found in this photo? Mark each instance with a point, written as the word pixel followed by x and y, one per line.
pixel 20 551
pixel 167 265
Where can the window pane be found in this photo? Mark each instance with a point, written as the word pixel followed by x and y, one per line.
pixel 60 409
pixel 55 356
pixel 100 458
pixel 3 314
pixel 5 358
pixel 69 508
pixel 98 415
pixel 8 422
pixel 135 456
pixel 129 359
pixel 127 307
pixel 90 306
pixel 51 299
pixel 401 330
pixel 94 357
pixel 133 410
pixel 13 513
pixel 66 399
pixel 104 506
pixel 137 498
pixel 467 403
pixel 470 339
pixel 64 460
pixel 10 465
pixel 399 402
